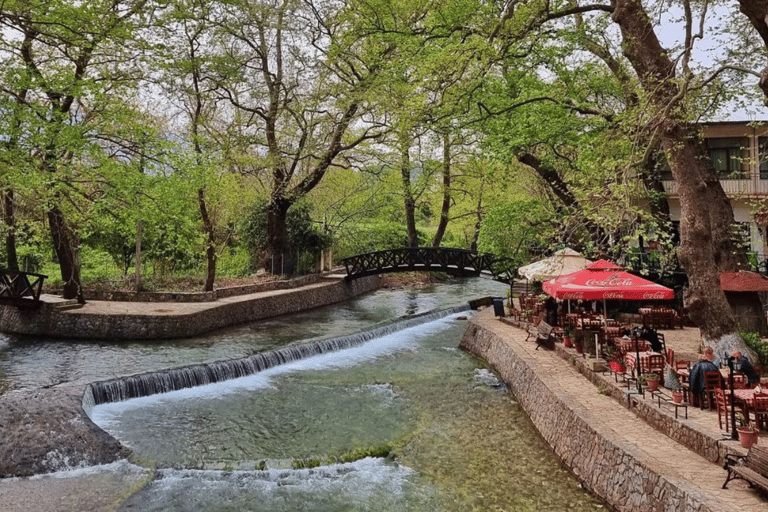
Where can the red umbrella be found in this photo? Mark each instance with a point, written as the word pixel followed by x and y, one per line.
pixel 603 280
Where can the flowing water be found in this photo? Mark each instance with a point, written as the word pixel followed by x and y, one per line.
pixel 399 422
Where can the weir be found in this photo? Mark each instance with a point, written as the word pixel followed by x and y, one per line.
pixel 175 379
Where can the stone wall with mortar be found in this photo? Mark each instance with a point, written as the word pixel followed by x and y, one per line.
pixel 165 323
pixel 603 461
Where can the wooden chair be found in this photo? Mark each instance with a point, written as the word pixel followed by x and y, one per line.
pixel 681 364
pixel 760 409
pixel 670 357
pixel 712 382
pixel 739 381
pixel 723 404
pixel 656 365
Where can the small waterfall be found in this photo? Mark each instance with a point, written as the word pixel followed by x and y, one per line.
pixel 146 384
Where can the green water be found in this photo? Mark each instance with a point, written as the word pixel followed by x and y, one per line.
pixel 456 440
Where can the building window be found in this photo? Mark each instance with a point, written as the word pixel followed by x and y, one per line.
pixel 727 156
pixel 763 148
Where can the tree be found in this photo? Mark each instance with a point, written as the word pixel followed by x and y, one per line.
pixel 58 72
pixel 297 84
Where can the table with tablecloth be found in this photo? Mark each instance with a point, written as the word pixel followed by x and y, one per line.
pixel 631 357
pixel 628 345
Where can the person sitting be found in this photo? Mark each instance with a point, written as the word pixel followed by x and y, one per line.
pixel 706 364
pixel 746 368
pixel 652 337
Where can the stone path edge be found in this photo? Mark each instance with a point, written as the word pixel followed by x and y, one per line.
pixel 113 320
pixel 608 465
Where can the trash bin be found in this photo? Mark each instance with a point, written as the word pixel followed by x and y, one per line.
pixel 498 306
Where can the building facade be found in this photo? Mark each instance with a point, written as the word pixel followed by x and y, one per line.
pixel 739 153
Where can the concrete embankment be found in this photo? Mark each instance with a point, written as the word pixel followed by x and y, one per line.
pixel 123 320
pixel 616 454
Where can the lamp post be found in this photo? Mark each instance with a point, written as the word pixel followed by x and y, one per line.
pixel 732 366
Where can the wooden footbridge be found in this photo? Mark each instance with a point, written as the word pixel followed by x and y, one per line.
pixel 456 262
pixel 20 288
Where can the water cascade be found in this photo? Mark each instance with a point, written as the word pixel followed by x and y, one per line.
pixel 151 383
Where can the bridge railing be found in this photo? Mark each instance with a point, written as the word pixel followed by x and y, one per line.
pixel 21 288
pixel 461 262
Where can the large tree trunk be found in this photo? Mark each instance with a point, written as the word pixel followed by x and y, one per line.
pixel 210 250
pixel 9 217
pixel 757 12
pixel 703 212
pixel 64 244
pixel 278 258
pixel 445 210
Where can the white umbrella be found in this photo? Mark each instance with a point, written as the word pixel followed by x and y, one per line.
pixel 564 261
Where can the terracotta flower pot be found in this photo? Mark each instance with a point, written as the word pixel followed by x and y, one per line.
pixel 747 437
pixel 567 343
pixel 652 384
pixel 677 396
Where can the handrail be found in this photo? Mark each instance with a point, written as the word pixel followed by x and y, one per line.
pixel 16 286
pixel 460 262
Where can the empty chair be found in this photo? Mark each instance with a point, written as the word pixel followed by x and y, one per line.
pixel 723 404
pixel 739 381
pixel 760 409
pixel 656 365
pixel 712 382
pixel 681 364
pixel 670 356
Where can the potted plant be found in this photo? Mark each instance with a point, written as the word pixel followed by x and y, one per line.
pixel 568 336
pixel 579 337
pixel 650 380
pixel 747 432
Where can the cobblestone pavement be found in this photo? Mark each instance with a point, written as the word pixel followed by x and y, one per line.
pixel 660 452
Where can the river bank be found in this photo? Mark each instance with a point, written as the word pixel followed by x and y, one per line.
pixel 621 455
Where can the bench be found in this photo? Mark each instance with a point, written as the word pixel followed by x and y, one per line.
pixel 752 467
pixel 543 334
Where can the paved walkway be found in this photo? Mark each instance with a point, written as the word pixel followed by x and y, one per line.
pixel 664 455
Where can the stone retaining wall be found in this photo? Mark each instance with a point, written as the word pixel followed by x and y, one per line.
pixel 219 293
pixel 605 463
pixel 165 323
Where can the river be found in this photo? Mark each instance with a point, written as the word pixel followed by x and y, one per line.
pixel 402 422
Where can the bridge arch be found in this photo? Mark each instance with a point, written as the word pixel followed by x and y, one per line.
pixel 456 262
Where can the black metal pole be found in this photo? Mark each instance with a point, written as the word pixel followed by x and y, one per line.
pixel 734 434
pixel 637 364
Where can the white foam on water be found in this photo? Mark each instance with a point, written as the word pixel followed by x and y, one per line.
pixel 104 415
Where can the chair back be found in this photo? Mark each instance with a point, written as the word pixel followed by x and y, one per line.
pixel 656 363
pixel 681 364
pixel 722 400
pixel 760 403
pixel 670 356
pixel 739 381
pixel 712 380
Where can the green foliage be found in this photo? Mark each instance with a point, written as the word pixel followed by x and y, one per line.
pixel 375 236
pixel 517 230
pixel 304 235
pixel 758 345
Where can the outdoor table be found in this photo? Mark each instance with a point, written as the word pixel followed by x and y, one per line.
pixel 630 357
pixel 628 345
pixel 743 397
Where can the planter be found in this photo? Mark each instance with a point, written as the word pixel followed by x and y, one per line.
pixel 652 384
pixel 747 437
pixel 567 343
pixel 677 396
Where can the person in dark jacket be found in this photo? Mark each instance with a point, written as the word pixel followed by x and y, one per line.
pixel 746 368
pixel 706 364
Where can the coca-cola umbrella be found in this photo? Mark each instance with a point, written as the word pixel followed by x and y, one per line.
pixel 603 280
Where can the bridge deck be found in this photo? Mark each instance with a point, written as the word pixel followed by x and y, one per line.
pixel 459 262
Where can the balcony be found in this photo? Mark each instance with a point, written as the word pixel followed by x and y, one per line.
pixel 748 185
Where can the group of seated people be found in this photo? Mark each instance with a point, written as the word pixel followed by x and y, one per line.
pixel 710 363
